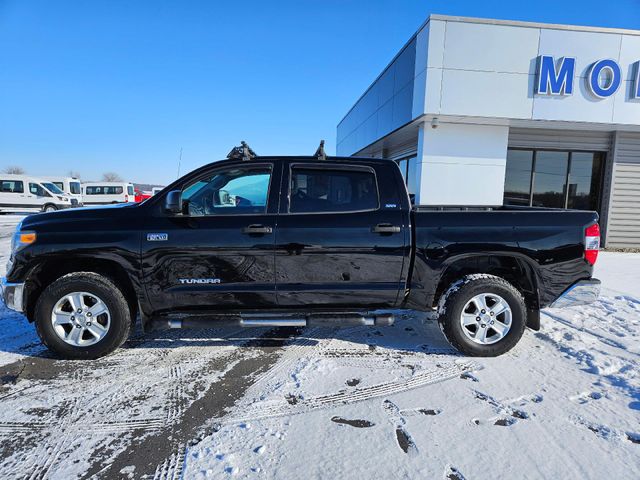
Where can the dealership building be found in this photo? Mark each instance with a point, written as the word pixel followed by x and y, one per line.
pixel 482 112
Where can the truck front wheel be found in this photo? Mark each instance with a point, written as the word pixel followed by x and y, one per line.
pixel 482 315
pixel 82 315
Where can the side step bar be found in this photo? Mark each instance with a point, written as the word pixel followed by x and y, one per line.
pixel 276 320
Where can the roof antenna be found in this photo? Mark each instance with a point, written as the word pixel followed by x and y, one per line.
pixel 320 155
pixel 243 152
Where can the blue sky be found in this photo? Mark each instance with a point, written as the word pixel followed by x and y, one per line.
pixel 96 86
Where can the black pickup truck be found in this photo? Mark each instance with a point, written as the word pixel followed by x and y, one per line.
pixel 294 241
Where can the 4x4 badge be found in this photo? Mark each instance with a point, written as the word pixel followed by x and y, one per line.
pixel 157 237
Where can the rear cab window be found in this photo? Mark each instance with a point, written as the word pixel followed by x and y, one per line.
pixel 327 190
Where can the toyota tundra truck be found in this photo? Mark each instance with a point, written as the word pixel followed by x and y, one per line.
pixel 296 241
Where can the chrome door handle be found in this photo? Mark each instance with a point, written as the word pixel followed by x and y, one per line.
pixel 385 228
pixel 257 230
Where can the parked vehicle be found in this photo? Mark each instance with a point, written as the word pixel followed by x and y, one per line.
pixel 295 241
pixel 69 185
pixel 104 193
pixel 141 196
pixel 156 190
pixel 23 193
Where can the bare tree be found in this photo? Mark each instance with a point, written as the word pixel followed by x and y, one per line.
pixel 73 174
pixel 111 177
pixel 14 170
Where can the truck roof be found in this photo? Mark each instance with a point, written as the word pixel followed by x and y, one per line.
pixel 314 159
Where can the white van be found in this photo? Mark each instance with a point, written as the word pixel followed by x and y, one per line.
pixel 103 193
pixel 69 185
pixel 22 193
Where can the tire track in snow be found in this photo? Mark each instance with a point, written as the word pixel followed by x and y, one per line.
pixel 52 433
pixel 282 408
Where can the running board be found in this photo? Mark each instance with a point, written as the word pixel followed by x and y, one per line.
pixel 275 320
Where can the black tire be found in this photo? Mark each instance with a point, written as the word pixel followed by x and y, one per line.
pixel 49 208
pixel 456 297
pixel 92 283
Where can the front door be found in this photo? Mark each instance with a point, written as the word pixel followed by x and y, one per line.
pixel 336 245
pixel 219 254
pixel 37 196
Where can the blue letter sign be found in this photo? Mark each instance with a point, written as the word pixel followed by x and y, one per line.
pixel 611 82
pixel 555 79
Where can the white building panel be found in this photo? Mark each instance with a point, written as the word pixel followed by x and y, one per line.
pixel 436 43
pixel 582 106
pixel 490 48
pixel 586 47
pixel 486 94
pixel 626 111
pixel 461 164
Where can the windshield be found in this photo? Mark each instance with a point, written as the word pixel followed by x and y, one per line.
pixel 52 188
pixel 75 187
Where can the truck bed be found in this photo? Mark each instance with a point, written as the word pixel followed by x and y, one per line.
pixel 548 243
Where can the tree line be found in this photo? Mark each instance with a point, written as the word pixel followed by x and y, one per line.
pixel 106 177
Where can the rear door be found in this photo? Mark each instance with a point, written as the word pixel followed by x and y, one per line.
pixel 219 254
pixel 339 242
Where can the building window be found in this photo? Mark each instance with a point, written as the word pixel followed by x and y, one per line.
pixel 552 178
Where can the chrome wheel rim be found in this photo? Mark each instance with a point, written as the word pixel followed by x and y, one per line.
pixel 486 318
pixel 80 319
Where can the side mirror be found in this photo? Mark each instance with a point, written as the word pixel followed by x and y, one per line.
pixel 173 202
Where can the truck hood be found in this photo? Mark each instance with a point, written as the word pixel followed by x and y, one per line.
pixel 105 212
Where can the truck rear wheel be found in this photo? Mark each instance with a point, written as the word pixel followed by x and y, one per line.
pixel 482 315
pixel 82 315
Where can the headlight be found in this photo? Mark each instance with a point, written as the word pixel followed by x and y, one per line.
pixel 64 199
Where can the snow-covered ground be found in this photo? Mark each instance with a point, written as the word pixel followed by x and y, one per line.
pixel 393 402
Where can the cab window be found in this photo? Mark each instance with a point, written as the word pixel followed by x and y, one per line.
pixel 130 190
pixel 74 187
pixel 324 190
pixel 53 188
pixel 235 191
pixel 38 190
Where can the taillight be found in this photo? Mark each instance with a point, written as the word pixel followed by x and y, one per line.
pixel 126 198
pixel 591 243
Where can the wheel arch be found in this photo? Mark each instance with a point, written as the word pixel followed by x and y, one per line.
pixel 48 271
pixel 515 269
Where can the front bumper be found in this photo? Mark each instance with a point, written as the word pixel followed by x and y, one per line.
pixel 582 292
pixel 12 295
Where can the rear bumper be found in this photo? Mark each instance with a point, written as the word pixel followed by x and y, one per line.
pixel 583 292
pixel 12 295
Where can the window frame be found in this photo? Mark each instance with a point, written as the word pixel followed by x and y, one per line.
pixel 45 192
pixel 570 152
pixel 268 166
pixel 332 167
pixel 16 182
